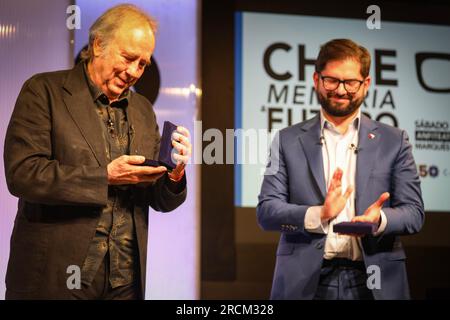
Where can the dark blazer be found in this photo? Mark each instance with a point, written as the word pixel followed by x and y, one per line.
pixel 55 163
pixel 384 163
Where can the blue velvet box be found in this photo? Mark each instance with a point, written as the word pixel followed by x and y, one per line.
pixel 360 228
pixel 165 150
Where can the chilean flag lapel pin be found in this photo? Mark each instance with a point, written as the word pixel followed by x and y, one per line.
pixel 371 136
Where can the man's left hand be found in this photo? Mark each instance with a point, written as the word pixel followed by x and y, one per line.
pixel 373 213
pixel 183 148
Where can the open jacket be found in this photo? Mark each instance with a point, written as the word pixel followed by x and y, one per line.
pixel 55 163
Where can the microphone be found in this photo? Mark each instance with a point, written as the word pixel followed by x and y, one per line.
pixel 321 139
pixel 354 148
pixel 110 125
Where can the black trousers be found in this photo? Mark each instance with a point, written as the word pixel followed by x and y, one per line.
pixel 100 288
pixel 342 279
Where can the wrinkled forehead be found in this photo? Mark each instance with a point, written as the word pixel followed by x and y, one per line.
pixel 134 38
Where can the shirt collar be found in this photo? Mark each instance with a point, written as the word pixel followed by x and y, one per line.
pixel 325 124
pixel 97 94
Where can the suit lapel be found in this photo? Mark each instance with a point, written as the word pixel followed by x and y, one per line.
pixel 79 104
pixel 312 146
pixel 368 143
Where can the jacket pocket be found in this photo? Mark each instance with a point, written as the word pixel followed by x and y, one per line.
pixel 28 256
pixel 396 255
pixel 285 249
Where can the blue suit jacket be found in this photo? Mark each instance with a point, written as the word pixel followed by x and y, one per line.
pixel 384 163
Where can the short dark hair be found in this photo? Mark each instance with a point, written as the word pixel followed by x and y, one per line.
pixel 342 49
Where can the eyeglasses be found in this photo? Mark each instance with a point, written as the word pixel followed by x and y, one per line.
pixel 350 85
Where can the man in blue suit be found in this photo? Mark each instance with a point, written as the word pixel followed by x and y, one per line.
pixel 340 166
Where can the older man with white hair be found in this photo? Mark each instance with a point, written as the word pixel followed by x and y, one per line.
pixel 73 156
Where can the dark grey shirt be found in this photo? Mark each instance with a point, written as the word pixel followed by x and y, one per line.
pixel 115 234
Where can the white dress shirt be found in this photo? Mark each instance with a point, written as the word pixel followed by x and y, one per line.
pixel 339 151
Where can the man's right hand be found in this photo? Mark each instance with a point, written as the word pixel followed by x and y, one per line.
pixel 335 201
pixel 125 170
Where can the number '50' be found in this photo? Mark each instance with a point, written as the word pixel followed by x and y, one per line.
pixel 431 171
